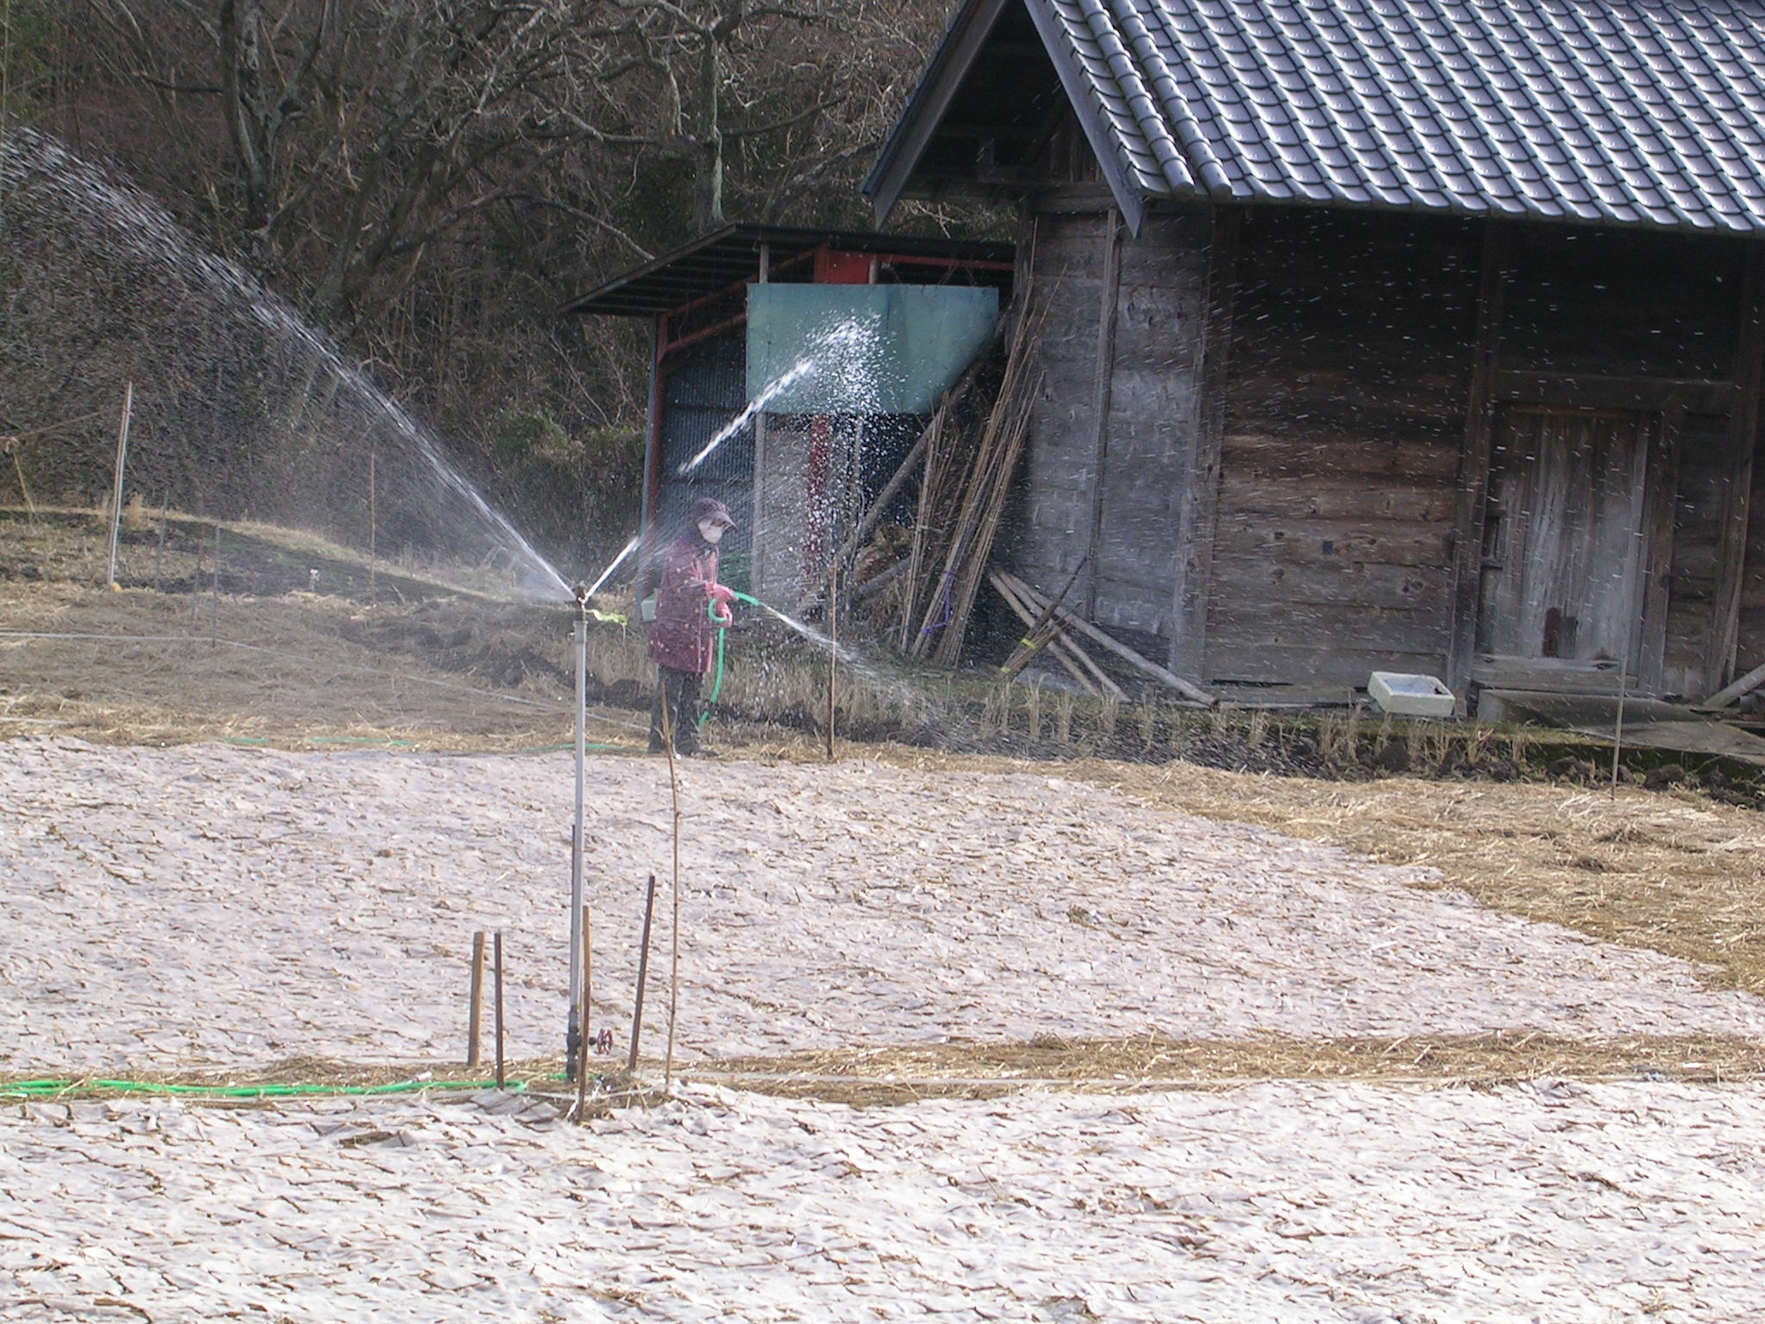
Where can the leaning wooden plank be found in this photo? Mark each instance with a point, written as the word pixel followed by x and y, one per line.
pixel 1066 644
pixel 1729 693
pixel 1067 651
pixel 1186 688
pixel 1043 628
pixel 1024 614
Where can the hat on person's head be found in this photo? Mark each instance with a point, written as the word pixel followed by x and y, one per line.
pixel 710 508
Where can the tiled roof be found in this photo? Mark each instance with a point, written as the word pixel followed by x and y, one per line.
pixel 1647 112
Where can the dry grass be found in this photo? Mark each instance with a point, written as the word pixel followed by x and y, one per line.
pixel 900 1075
pixel 904 1074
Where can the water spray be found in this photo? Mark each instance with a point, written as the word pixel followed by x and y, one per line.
pixel 88 195
pixel 613 565
pixel 846 337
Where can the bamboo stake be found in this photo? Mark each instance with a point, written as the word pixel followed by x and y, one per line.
pixel 833 656
pixel 159 547
pixel 55 427
pixel 475 1004
pixel 1729 693
pixel 674 935
pixel 980 546
pixel 9 445
pixel 916 553
pixel 983 494
pixel 214 595
pixel 920 451
pixel 643 975
pixel 116 482
pixel 373 531
pixel 498 962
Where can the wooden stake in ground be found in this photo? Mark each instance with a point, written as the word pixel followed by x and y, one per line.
pixel 643 976
pixel 475 1002
pixel 833 655
pixel 214 593
pixel 9 445
pixel 159 547
pixel 116 482
pixel 497 960
pixel 674 936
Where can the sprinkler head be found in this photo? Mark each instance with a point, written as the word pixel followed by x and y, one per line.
pixel 581 595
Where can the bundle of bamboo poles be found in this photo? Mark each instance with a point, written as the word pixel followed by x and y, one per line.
pixel 961 500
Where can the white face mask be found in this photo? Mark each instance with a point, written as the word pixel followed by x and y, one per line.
pixel 711 531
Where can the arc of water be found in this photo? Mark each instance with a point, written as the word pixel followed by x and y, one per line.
pixel 30 157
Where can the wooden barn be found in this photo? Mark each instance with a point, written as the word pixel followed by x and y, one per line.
pixel 1401 335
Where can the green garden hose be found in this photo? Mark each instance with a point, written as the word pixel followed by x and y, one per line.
pixel 722 624
pixel 48 1089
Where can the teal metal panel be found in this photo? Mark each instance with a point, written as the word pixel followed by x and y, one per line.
pixel 862 349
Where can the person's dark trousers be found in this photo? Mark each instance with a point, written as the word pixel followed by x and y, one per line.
pixel 682 689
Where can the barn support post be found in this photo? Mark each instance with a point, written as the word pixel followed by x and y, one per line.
pixel 1474 460
pixel 1100 397
pixel 652 453
pixel 1743 441
pixel 1198 505
pixel 757 520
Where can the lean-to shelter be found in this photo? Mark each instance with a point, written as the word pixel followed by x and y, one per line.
pixel 1401 335
pixel 790 371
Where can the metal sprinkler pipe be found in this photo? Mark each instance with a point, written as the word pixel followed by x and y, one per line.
pixel 574 1048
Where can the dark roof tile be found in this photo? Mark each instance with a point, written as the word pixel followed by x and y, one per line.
pixel 1579 109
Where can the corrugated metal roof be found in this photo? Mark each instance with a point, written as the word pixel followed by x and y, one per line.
pixel 1630 112
pixel 725 258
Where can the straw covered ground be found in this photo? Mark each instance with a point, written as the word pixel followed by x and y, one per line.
pixel 956 1035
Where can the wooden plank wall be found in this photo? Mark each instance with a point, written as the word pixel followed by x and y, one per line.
pixel 1333 551
pixel 1640 312
pixel 1154 412
pixel 1697 533
pixel 1113 494
pixel 1052 528
pixel 1751 652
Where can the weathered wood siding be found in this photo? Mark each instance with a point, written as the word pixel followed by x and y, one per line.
pixel 1751 651
pixel 1053 527
pixel 1346 391
pixel 1328 546
pixel 1653 316
pixel 1113 493
pixel 1697 530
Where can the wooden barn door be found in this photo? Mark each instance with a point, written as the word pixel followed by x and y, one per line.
pixel 1572 516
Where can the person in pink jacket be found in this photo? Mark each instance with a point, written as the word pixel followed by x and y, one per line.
pixel 683 638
